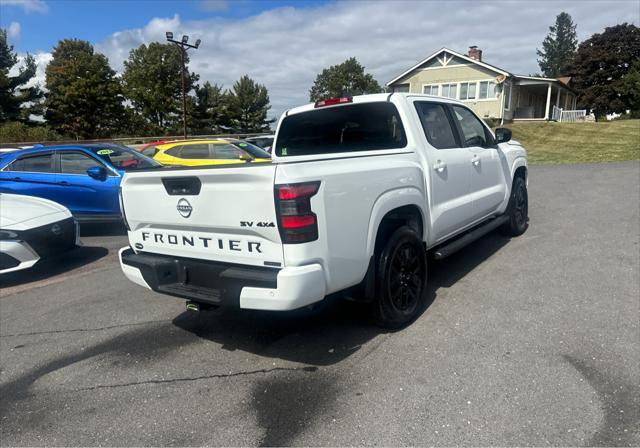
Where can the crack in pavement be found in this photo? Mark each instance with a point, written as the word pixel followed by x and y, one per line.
pixel 203 377
pixel 72 330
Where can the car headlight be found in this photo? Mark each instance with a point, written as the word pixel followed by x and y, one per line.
pixel 8 235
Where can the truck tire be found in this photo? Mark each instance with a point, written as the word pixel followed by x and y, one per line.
pixel 401 280
pixel 517 210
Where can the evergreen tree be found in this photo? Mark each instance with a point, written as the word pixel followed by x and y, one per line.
pixel 248 104
pixel 210 110
pixel 559 47
pixel 17 101
pixel 153 82
pixel 347 78
pixel 84 98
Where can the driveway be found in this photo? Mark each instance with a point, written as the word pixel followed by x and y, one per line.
pixel 530 341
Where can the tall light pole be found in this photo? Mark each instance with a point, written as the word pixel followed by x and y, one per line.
pixel 183 46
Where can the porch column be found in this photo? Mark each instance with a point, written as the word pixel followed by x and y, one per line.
pixel 546 109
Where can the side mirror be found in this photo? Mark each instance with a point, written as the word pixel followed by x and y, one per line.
pixel 503 135
pixel 97 173
pixel 245 157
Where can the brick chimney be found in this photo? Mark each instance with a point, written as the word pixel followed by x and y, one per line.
pixel 475 53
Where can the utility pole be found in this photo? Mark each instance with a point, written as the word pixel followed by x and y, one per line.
pixel 183 46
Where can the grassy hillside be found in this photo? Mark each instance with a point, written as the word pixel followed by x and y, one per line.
pixel 579 142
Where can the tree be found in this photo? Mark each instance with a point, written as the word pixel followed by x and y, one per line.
pixel 210 110
pixel 85 97
pixel 601 67
pixel 559 47
pixel 347 78
pixel 248 104
pixel 17 101
pixel 152 81
pixel 630 89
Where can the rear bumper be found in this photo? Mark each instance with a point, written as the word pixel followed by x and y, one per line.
pixel 216 283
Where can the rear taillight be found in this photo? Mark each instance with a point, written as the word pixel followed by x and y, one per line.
pixel 296 222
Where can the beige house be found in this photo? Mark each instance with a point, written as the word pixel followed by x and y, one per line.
pixel 490 91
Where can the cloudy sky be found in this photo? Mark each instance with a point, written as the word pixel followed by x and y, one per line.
pixel 284 44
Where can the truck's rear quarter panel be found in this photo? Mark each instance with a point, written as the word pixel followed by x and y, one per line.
pixel 350 187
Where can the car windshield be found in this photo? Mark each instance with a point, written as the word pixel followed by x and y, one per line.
pixel 123 158
pixel 251 149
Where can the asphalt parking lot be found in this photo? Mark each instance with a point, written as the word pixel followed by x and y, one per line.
pixel 530 341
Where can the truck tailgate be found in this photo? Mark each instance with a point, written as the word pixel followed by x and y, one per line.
pixel 220 214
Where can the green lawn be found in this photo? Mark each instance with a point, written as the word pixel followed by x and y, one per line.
pixel 549 142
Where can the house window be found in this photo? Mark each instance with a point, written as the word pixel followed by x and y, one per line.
pixel 430 90
pixel 468 91
pixel 487 90
pixel 401 88
pixel 449 91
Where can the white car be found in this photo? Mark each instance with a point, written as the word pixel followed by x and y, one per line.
pixel 31 229
pixel 357 191
pixel 263 141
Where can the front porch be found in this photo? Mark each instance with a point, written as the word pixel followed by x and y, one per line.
pixel 535 98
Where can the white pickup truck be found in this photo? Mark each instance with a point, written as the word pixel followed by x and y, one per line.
pixel 359 189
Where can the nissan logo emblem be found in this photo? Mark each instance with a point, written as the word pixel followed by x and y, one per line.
pixel 184 208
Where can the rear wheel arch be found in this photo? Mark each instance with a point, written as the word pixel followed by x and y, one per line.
pixel 407 215
pixel 405 203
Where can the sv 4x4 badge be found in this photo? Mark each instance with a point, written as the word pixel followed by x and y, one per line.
pixel 257 224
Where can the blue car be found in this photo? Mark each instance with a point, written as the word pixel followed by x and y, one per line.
pixel 83 178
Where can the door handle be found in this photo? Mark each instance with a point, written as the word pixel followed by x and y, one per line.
pixel 476 160
pixel 64 182
pixel 16 178
pixel 439 166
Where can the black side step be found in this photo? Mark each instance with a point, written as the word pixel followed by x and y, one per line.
pixel 470 237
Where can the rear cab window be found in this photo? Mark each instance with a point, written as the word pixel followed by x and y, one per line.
pixel 349 128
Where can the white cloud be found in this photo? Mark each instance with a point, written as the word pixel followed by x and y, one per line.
pixel 213 5
pixel 28 5
pixel 13 30
pixel 286 48
pixel 41 59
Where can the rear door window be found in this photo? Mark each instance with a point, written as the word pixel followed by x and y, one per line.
pixel 41 163
pixel 436 125
pixel 356 127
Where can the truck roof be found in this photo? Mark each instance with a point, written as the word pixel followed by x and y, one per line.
pixel 375 97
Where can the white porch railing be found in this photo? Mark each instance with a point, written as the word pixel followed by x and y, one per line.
pixel 567 116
